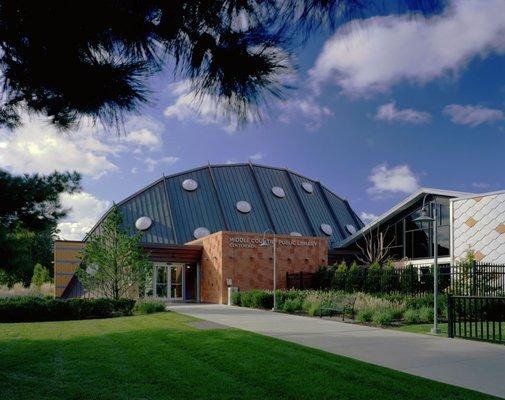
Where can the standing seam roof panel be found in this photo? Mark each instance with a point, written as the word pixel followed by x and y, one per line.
pixel 286 212
pixel 236 183
pixel 146 204
pixel 198 208
pixel 316 208
pixel 340 209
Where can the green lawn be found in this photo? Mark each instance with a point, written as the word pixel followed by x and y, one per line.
pixel 160 357
pixel 477 332
pixel 422 328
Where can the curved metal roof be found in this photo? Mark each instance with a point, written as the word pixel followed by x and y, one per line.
pixel 177 212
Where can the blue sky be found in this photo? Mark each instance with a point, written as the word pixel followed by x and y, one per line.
pixel 380 110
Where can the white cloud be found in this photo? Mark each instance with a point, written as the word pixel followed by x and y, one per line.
pixel 205 110
pixel 143 137
pixel 152 163
pixel 388 112
pixel 472 115
pixel 85 210
pixel 39 147
pixel 142 131
pixel 374 54
pixel 481 185
pixel 257 156
pixel 307 110
pixel 397 179
pixel 368 218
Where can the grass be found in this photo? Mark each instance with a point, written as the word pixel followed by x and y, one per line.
pixel 159 356
pixel 422 328
pixel 477 332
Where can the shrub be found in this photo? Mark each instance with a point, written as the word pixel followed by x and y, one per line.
pixel 364 316
pixel 40 275
pixel 389 277
pixel 235 298
pixel 411 316
pixel 340 276
pixel 257 299
pixel 149 306
pixel 382 317
pixel 262 299
pixel 28 309
pixel 352 283
pixel 426 314
pixel 373 278
pixel 292 305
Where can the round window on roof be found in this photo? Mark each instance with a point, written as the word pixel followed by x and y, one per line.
pixel 295 234
pixel 278 192
pixel 201 232
pixel 189 185
pixel 307 186
pixel 351 229
pixel 143 223
pixel 327 229
pixel 243 206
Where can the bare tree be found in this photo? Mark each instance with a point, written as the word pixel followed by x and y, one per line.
pixel 374 249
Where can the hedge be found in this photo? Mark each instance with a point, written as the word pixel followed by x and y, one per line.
pixel 32 309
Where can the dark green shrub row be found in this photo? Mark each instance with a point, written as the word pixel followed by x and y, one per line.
pixel 149 306
pixel 377 279
pixel 31 309
pixel 265 299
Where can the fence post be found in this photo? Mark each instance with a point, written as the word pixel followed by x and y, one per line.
pixel 411 279
pixel 473 290
pixel 450 316
pixel 301 280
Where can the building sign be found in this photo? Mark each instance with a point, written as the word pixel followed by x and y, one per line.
pixel 246 242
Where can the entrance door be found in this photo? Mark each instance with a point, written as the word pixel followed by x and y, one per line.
pixel 176 281
pixel 169 281
pixel 161 281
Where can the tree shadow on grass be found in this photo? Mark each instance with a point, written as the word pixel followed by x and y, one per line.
pixel 185 363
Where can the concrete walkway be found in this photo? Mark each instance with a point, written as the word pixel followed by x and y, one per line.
pixel 473 365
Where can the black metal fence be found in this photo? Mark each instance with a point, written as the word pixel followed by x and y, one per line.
pixel 475 317
pixel 476 279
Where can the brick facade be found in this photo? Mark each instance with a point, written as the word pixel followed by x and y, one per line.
pixel 238 256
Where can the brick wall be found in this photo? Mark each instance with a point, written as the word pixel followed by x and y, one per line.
pixel 238 256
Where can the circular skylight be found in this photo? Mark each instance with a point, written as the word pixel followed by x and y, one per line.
pixel 295 234
pixel 143 223
pixel 278 191
pixel 201 232
pixel 327 229
pixel 351 229
pixel 243 206
pixel 189 185
pixel 307 186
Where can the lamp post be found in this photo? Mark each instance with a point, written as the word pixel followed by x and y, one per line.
pixel 424 217
pixel 264 243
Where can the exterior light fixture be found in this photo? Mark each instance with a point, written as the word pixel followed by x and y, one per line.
pixel 424 217
pixel 264 243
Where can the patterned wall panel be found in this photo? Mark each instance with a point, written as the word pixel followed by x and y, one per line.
pixel 479 224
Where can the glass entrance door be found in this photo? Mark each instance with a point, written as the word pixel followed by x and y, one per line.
pixel 176 281
pixel 161 281
pixel 169 281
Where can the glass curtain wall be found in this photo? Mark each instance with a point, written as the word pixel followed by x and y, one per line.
pixel 413 240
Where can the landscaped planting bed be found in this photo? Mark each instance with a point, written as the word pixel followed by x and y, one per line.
pixel 360 307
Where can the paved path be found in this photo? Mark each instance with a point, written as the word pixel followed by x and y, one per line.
pixel 474 365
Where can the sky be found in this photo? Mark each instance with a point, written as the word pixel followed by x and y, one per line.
pixel 379 109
